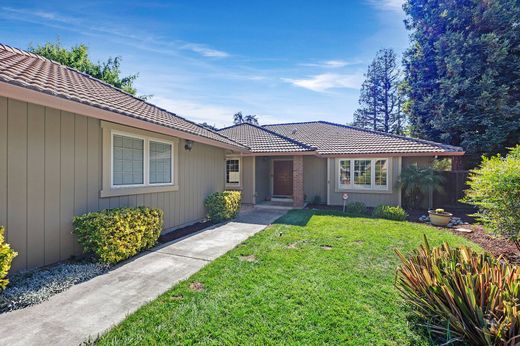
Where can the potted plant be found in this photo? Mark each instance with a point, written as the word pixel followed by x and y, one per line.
pixel 439 217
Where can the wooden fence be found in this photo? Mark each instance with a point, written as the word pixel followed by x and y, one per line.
pixel 454 186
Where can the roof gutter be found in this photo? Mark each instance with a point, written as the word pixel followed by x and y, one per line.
pixel 47 100
pixel 426 153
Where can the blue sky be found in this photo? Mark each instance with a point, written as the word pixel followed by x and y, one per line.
pixel 281 60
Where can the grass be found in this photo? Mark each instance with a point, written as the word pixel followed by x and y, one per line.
pixel 312 278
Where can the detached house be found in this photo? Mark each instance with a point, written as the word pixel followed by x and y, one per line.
pixel 70 144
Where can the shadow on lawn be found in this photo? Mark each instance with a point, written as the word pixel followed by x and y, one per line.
pixel 302 216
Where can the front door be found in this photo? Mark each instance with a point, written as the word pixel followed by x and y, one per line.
pixel 282 178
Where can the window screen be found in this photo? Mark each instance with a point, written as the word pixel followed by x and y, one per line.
pixel 160 163
pixel 128 161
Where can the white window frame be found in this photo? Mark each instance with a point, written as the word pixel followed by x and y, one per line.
pixel 146 160
pixel 233 185
pixel 372 186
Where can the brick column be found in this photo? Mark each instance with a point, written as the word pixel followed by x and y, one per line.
pixel 298 199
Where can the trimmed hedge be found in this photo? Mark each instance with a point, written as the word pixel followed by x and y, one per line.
pixel 390 212
pixel 6 258
pixel 223 205
pixel 114 235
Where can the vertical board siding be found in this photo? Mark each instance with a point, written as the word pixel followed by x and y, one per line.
pixel 35 184
pixel 3 161
pixel 315 178
pixel 51 169
pixel 17 180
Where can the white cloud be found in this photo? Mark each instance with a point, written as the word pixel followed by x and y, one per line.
pixel 52 16
pixel 205 51
pixel 388 5
pixel 219 116
pixel 330 64
pixel 326 81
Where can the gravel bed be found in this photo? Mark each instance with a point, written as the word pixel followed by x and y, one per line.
pixel 37 285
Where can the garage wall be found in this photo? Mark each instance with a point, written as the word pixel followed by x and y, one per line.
pixel 51 170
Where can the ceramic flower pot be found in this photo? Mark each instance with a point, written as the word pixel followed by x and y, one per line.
pixel 440 219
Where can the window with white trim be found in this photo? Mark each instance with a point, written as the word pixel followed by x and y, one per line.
pixel 141 161
pixel 233 172
pixel 368 174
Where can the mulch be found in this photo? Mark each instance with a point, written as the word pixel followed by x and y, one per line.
pixel 184 231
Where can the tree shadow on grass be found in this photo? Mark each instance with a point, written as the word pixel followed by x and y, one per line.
pixel 302 216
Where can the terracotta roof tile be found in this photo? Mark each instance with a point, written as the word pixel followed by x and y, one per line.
pixel 35 72
pixel 262 140
pixel 336 139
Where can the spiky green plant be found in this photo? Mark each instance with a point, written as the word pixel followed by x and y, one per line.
pixel 417 182
pixel 475 297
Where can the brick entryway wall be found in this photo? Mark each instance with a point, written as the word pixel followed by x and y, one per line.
pixel 298 198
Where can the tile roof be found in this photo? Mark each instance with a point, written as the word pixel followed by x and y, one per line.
pixel 330 139
pixel 262 140
pixel 35 72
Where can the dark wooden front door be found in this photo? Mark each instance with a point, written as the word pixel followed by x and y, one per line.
pixel 283 178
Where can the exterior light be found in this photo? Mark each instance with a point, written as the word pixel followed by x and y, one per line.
pixel 188 145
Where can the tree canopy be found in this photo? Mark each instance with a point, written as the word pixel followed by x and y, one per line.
pixel 381 95
pixel 463 73
pixel 239 118
pixel 77 57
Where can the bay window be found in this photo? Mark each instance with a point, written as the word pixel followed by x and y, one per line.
pixel 363 174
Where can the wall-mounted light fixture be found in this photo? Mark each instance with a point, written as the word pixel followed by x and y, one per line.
pixel 188 145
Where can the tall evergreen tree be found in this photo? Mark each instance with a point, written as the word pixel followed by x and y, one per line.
pixel 463 73
pixel 380 100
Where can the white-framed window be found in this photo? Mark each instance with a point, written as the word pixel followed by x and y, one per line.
pixel 139 161
pixel 233 171
pixel 367 174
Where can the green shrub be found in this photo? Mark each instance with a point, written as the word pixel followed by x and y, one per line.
pixel 390 212
pixel 6 257
pixel 117 234
pixel 223 205
pixel 356 208
pixel 494 187
pixel 462 294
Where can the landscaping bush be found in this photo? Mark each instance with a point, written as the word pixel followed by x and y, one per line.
pixel 462 294
pixel 117 234
pixel 6 257
pixel 495 190
pixel 223 205
pixel 390 212
pixel 359 208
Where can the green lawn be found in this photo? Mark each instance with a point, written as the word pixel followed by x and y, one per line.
pixel 317 279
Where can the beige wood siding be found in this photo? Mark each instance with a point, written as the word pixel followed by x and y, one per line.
pixel 262 178
pixel 248 180
pixel 315 178
pixel 51 170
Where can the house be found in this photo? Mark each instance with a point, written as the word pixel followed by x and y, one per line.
pixel 321 161
pixel 70 144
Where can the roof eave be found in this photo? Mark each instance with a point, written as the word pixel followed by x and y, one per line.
pixel 38 97
pixel 281 153
pixel 429 153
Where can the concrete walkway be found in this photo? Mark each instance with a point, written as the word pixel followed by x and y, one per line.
pixel 90 308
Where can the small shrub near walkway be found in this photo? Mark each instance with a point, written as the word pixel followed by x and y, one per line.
pixel 6 257
pixel 223 205
pixel 114 235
